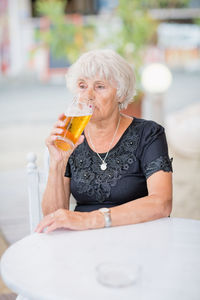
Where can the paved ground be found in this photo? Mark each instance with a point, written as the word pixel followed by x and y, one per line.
pixel 27 111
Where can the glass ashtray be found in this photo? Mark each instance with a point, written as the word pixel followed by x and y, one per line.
pixel 114 274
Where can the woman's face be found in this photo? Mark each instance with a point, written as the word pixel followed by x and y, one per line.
pixel 102 94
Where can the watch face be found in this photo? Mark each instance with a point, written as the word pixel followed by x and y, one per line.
pixel 106 212
pixel 104 209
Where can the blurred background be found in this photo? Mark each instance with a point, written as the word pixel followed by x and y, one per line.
pixel 38 42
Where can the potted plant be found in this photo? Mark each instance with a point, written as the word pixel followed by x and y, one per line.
pixel 129 31
pixel 136 32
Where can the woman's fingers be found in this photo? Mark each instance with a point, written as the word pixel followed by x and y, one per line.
pixel 59 124
pixel 61 121
pixel 80 141
pixel 46 221
pixel 62 218
pixel 55 220
pixel 62 116
pixel 57 131
pixel 51 139
pixel 52 227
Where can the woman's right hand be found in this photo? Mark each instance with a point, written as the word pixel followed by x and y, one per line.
pixel 58 156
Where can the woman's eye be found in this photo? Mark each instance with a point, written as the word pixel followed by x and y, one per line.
pixel 82 86
pixel 100 86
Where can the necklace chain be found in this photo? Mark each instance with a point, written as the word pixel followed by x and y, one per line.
pixel 103 166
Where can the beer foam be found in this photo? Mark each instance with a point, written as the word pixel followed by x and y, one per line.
pixel 74 112
pixel 78 114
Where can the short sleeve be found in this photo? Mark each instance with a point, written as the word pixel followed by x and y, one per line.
pixel 154 150
pixel 68 170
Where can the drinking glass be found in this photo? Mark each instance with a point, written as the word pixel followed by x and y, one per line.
pixel 76 118
pixel 118 274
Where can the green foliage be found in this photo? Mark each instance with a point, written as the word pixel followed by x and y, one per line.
pixel 63 36
pixel 197 21
pixel 138 29
pixel 166 3
pixel 137 26
pixel 136 32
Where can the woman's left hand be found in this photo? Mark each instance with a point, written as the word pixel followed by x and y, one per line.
pixel 63 218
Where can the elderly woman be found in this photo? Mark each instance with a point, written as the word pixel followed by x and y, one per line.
pixel 119 172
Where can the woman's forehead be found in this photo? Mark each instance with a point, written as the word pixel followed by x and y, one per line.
pixel 94 79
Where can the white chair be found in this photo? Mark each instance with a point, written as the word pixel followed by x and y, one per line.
pixel 36 183
pixel 37 180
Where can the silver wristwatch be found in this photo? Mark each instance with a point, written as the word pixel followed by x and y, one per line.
pixel 107 216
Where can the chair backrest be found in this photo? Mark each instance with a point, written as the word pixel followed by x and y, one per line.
pixel 37 180
pixel 36 184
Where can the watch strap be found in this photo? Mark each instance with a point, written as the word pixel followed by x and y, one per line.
pixel 107 216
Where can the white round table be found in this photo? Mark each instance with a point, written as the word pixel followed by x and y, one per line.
pixel 61 265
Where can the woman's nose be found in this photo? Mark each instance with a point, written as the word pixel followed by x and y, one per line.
pixel 90 94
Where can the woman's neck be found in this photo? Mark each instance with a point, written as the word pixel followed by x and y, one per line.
pixel 103 127
pixel 100 134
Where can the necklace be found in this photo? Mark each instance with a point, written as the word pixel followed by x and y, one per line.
pixel 103 165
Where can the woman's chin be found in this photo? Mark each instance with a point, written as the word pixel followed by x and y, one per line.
pixel 93 119
pixel 95 116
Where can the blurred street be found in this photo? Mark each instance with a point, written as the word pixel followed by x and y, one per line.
pixel 28 110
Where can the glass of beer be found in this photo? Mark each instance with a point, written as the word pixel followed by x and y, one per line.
pixel 76 118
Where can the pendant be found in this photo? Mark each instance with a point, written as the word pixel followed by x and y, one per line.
pixel 103 166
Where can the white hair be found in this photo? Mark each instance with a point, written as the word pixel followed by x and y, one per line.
pixel 108 65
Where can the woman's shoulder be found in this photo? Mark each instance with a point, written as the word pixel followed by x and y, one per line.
pixel 145 122
pixel 147 127
pixel 147 131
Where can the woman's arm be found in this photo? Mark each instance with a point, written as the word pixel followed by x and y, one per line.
pixel 156 205
pixel 57 192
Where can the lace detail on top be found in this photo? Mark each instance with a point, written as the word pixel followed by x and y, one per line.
pixel 85 166
pixel 161 163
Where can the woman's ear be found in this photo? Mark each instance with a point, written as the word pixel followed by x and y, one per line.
pixel 120 100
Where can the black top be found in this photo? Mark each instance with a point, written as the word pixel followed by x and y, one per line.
pixel 141 151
